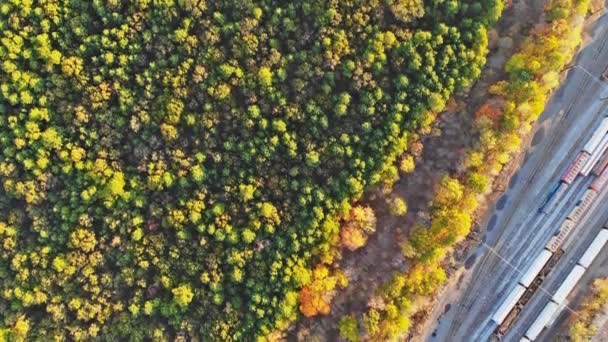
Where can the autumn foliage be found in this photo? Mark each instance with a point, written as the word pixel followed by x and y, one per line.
pixel 315 298
pixel 581 327
pixel 490 110
pixel 360 223
pixel 353 238
pixel 172 169
pixel 532 74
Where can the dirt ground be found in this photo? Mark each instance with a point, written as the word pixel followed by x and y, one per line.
pixel 373 265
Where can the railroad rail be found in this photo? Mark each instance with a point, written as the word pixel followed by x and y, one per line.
pixel 592 161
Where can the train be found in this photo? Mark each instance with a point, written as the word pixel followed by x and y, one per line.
pixel 559 300
pixel 531 280
pixel 592 159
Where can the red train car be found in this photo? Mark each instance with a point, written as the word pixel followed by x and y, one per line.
pixel 601 165
pixel 575 168
pixel 599 183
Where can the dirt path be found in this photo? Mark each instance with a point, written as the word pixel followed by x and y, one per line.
pixel 443 149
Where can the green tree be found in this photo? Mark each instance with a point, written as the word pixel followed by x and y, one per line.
pixel 182 295
pixel 371 322
pixel 265 76
pixel 407 10
pixel 348 328
pixel 407 164
pixel 397 206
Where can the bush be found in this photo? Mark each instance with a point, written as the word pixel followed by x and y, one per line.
pixel 398 207
pixel 348 328
pixel 407 164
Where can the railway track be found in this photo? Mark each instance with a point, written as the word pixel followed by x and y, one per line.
pixel 531 221
pixel 578 97
pixel 555 251
pixel 573 254
pixel 599 50
pixel 560 126
pixel 509 310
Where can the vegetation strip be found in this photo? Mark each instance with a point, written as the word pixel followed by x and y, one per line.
pixel 518 101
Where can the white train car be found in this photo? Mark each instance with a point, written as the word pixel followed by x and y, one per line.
pixel 595 157
pixel 508 304
pixel 538 264
pixel 568 285
pixel 596 137
pixel 594 249
pixel 557 313
pixel 541 321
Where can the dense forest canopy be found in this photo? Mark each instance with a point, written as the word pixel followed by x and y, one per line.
pixel 172 168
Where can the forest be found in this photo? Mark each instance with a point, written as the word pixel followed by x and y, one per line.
pixel 174 169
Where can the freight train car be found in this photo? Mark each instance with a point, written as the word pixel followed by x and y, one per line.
pixel 558 239
pixel 596 137
pixel 508 304
pixel 559 300
pixel 601 165
pixel 541 260
pixel 583 205
pixel 600 181
pixel 530 281
pixel 595 156
pixel 554 197
pixel 575 167
pixel 541 321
